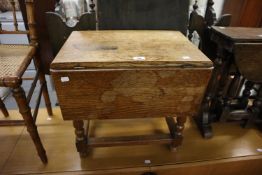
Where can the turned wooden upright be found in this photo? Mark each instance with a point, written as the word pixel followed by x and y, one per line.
pixel 14 62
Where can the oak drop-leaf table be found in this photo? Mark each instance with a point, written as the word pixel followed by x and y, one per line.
pixel 127 75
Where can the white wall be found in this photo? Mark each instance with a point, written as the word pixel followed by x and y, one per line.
pixel 218 6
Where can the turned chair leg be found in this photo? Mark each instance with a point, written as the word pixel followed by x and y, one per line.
pixel 45 94
pixel 3 108
pixel 25 111
pixel 81 138
pixel 44 84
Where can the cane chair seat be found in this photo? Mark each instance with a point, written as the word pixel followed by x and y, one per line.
pixel 14 60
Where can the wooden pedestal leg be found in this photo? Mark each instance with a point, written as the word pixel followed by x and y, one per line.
pixel 3 108
pixel 25 111
pixel 81 138
pixel 205 117
pixel 203 120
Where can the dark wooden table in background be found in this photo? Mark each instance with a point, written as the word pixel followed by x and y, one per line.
pixel 216 95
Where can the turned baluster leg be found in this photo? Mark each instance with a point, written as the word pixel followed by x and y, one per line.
pixel 25 111
pixel 3 108
pixel 33 41
pixel 81 138
pixel 180 125
pixel 246 94
pixel 255 110
pixel 218 103
pixel 44 84
pixel 45 94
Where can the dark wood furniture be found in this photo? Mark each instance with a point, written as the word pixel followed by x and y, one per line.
pixel 55 22
pixel 41 7
pixel 250 54
pixel 14 61
pixel 217 95
pixel 202 25
pixel 129 74
pixel 143 15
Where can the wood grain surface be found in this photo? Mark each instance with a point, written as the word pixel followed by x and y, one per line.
pixel 130 93
pixel 248 58
pixel 119 49
pixel 103 80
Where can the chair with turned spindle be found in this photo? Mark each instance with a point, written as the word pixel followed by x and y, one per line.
pixel 56 22
pixel 14 61
pixel 202 25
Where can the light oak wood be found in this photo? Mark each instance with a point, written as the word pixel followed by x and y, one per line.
pixel 116 49
pixel 104 80
pixel 129 74
pixel 130 93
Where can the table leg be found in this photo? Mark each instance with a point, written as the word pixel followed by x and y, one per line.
pixel 81 138
pixel 203 119
pixel 43 82
pixel 246 94
pixel 217 105
pixel 255 110
pixel 180 125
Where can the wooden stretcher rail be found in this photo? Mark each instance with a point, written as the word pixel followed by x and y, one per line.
pixel 14 32
pixel 130 140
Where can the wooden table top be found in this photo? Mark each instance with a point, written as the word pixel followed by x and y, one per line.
pixel 128 49
pixel 240 34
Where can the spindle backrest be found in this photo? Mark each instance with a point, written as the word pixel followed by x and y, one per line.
pixel 31 21
pixel 202 26
pixel 55 22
